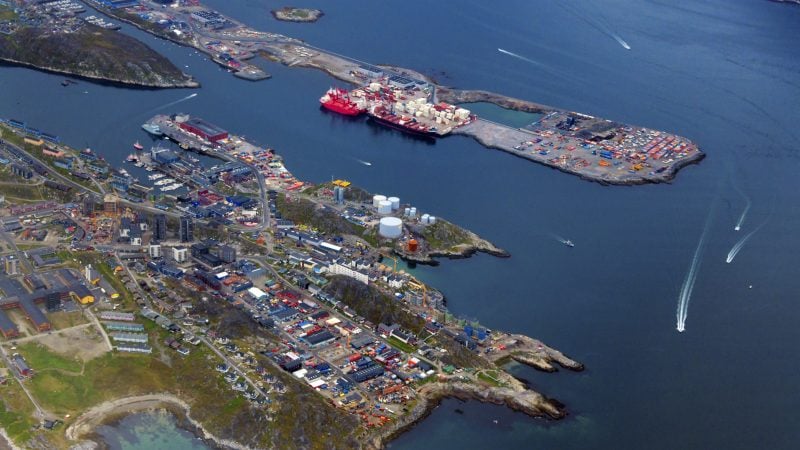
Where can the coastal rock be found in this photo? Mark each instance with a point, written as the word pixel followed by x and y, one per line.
pixel 94 54
pixel 430 395
pixel 292 14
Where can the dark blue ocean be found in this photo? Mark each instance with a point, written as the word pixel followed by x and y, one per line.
pixel 725 74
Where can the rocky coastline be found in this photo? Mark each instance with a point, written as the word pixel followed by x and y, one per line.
pixel 517 398
pixel 103 79
pixel 98 55
pixel 300 15
pixel 85 425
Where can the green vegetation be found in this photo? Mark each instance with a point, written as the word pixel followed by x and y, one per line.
pixel 327 220
pixel 291 14
pixel 490 377
pixel 7 14
pixel 444 235
pixel 400 345
pixel 99 263
pixel 372 304
pixel 92 52
pixel 16 412
pixel 40 357
pixel 214 404
pixel 22 193
pixel 63 319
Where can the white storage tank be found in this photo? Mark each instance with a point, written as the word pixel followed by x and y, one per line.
pixel 390 227
pixel 395 202
pixel 376 199
pixel 424 218
pixel 384 207
pixel 431 220
pixel 412 212
pixel 406 212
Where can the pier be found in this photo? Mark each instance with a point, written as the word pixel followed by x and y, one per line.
pixel 592 148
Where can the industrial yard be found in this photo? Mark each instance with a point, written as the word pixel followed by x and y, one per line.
pixel 592 148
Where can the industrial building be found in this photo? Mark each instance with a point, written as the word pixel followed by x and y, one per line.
pixel 204 129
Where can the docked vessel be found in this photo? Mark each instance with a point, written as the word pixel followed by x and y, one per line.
pixel 132 158
pixel 338 100
pixel 152 129
pixel 402 122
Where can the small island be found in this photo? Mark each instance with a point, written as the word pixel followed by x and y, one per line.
pixel 292 14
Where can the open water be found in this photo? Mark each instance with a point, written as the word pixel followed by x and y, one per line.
pixel 722 73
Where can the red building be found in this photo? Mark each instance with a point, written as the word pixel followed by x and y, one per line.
pixel 204 129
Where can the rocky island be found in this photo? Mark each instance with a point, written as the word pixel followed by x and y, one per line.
pixel 292 14
pixel 71 46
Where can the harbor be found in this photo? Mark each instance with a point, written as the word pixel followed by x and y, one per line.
pixel 614 153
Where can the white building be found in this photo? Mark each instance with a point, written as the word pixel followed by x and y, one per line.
pixel 155 251
pixel 338 269
pixel 180 254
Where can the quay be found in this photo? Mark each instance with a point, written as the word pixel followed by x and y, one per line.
pixel 590 147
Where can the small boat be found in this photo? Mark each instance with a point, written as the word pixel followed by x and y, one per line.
pixel 138 146
pixel 132 158
pixel 569 243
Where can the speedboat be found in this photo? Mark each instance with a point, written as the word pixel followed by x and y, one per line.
pixel 569 243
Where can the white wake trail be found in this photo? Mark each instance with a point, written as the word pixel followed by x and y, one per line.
pixel 506 52
pixel 188 97
pixel 688 284
pixel 739 245
pixel 621 42
pixel 747 206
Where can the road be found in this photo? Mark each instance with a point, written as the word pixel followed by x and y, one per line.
pixel 184 330
pixel 50 170
pixel 40 412
pixel 94 320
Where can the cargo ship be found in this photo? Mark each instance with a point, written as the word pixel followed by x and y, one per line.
pixel 402 122
pixel 339 101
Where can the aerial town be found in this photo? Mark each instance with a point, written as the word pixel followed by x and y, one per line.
pixel 218 249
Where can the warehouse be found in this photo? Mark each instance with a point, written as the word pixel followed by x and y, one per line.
pixel 204 129
pixel 7 327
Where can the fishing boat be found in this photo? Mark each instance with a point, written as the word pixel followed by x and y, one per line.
pixel 138 146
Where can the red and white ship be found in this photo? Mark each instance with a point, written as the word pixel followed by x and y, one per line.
pixel 338 100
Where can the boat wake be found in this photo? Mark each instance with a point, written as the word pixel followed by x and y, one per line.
pixel 188 97
pixel 621 42
pixel 747 205
pixel 739 245
pixel 598 22
pixel 512 54
pixel 691 276
pixel 366 163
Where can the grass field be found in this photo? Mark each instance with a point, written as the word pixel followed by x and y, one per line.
pixel 400 345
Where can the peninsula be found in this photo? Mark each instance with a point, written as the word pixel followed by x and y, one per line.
pixel 260 309
pixel 590 147
pixel 292 14
pixel 57 40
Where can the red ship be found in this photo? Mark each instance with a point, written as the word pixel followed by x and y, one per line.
pixel 404 123
pixel 338 100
